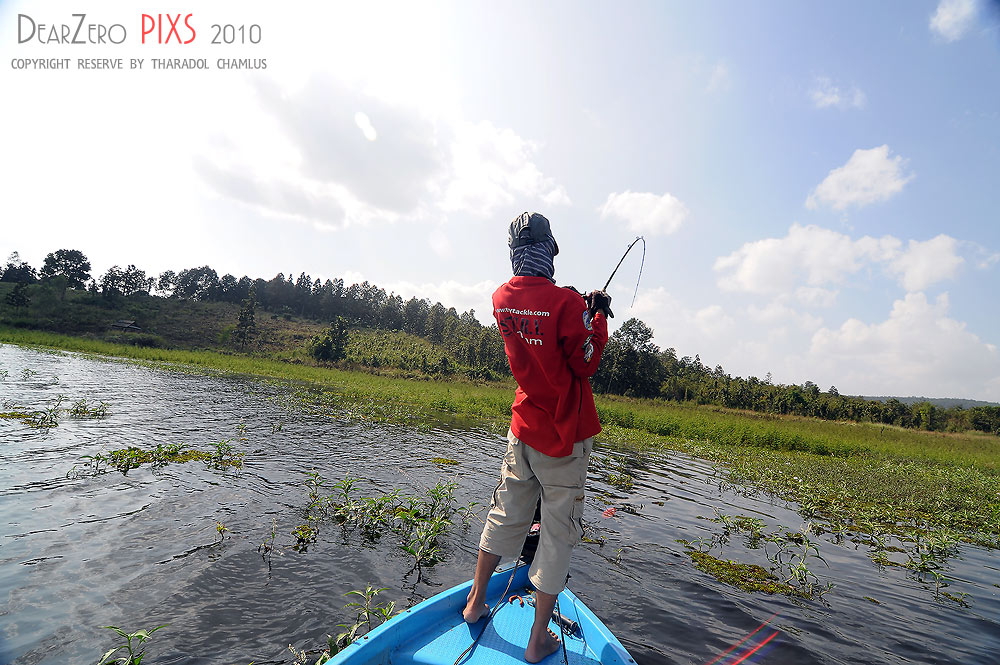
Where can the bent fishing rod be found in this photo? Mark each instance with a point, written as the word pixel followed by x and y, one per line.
pixel 638 238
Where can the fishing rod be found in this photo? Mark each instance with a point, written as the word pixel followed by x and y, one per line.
pixel 638 238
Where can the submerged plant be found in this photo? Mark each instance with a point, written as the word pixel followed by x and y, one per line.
pixel 134 645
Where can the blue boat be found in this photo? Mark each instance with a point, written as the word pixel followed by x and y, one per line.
pixel 433 632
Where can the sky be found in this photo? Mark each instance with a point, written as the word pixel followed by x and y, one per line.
pixel 815 182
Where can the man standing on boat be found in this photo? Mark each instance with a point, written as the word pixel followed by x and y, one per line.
pixel 553 337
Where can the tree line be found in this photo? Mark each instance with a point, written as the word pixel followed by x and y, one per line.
pixel 632 364
pixel 476 348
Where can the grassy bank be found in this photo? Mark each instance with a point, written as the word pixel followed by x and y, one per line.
pixel 857 476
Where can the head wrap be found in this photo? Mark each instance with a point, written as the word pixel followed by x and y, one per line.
pixel 534 259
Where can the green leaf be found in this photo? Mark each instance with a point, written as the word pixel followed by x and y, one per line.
pixel 104 658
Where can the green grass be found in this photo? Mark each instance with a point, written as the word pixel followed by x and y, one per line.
pixel 846 473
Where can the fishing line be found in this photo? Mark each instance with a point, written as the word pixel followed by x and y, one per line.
pixel 499 604
pixel 636 292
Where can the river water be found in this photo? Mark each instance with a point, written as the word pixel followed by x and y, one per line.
pixel 78 551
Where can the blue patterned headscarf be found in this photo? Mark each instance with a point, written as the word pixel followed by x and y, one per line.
pixel 534 260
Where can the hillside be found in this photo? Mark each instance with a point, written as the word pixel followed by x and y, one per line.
pixel 941 402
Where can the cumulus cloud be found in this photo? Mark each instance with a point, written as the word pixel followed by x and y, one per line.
pixel 868 176
pixel 953 18
pixel 825 94
pixel 814 296
pixel 807 261
pixel 919 349
pixel 309 153
pixel 644 212
pixel 493 167
pixel 924 263
pixel 809 254
pixel 778 314
pixel 677 325
pixel 391 173
pixel 278 197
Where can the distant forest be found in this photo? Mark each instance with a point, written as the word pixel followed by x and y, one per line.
pixel 632 365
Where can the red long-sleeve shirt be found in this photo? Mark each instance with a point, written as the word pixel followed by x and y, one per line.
pixel 553 346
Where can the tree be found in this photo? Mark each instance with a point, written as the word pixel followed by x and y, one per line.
pixel 70 263
pixel 18 271
pixel 246 328
pixel 197 283
pixel 18 298
pixel 630 364
pixel 332 344
pixel 125 282
pixel 167 283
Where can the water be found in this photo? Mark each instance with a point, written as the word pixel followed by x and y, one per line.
pixel 137 551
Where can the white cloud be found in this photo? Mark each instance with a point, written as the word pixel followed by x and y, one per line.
pixel 868 176
pixel 364 123
pixel 493 167
pixel 318 166
pixel 814 296
pixel 777 314
pixel 810 258
pixel 676 325
pixel 809 254
pixel 825 94
pixel 924 263
pixel 917 350
pixel 953 18
pixel 644 212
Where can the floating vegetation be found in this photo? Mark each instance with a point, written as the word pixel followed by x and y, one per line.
pixel 222 457
pixel 222 529
pixel 4 374
pixel 49 416
pixel 417 522
pixel 134 645
pixel 794 553
pixel 305 534
pixel 744 576
pixel 444 461
pixel 27 373
pixel 83 409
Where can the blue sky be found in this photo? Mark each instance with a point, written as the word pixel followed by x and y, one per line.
pixel 815 182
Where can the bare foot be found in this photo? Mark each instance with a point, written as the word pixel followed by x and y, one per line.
pixel 539 650
pixel 473 614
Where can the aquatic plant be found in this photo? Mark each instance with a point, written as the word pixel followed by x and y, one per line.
pixel 27 373
pixel 223 530
pixel 752 527
pixel 795 552
pixel 224 456
pixel 82 409
pixel 366 610
pixel 136 651
pixel 304 535
pixel 266 546
pixel 3 375
pixel 132 457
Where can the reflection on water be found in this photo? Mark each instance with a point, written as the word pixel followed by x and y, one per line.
pixel 143 549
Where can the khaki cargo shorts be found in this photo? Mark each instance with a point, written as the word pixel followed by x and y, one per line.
pixel 560 481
